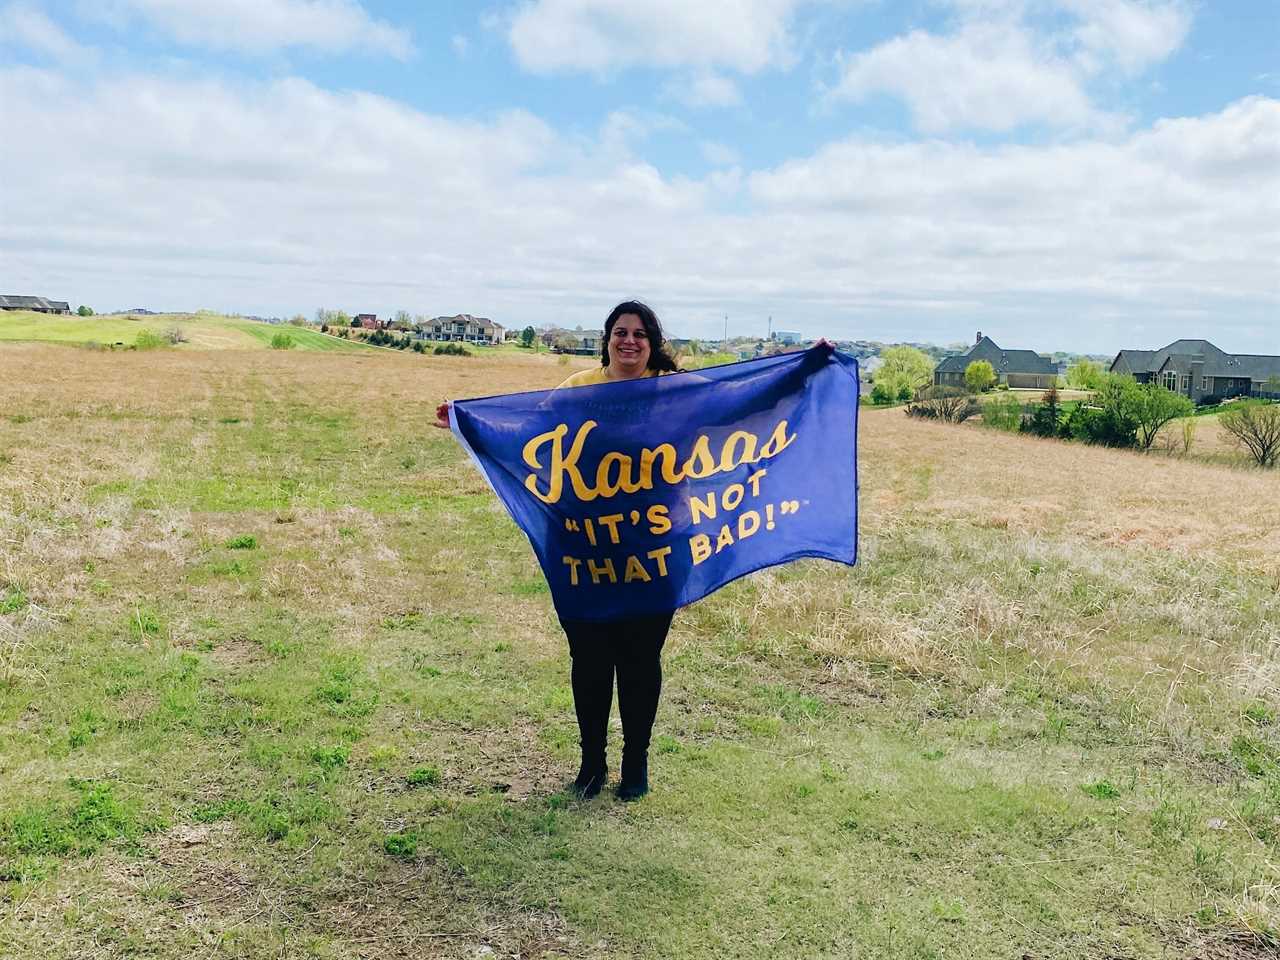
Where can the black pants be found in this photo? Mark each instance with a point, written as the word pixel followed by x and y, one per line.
pixel 633 650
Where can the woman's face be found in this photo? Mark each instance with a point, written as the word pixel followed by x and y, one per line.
pixel 628 345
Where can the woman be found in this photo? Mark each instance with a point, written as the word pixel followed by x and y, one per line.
pixel 633 347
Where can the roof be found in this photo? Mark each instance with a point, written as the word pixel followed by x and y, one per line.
pixel 1002 361
pixel 1199 357
pixel 9 302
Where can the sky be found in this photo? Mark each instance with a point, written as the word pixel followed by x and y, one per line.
pixel 1078 175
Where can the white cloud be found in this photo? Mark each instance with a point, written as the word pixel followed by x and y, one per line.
pixel 605 36
pixel 280 197
pixel 1132 35
pixel 263 26
pixel 26 26
pixel 1008 63
pixel 705 89
pixel 461 45
pixel 987 76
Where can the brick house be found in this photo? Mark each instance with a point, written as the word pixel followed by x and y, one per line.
pixel 1198 369
pixel 1014 368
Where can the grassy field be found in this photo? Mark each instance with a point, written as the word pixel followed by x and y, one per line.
pixel 279 678
pixel 204 331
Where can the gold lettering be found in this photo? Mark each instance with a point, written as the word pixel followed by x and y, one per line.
pixel 699 508
pixel 725 539
pixel 624 483
pixel 729 460
pixel 745 530
pixel 559 464
pixel 659 522
pixel 671 472
pixel 635 571
pixel 617 472
pixel 699 547
pixel 599 570
pixel 776 443
pixel 574 564
pixel 700 463
pixel 660 557
pixel 735 492
pixel 611 521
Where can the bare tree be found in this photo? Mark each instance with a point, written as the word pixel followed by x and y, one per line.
pixel 949 404
pixel 1255 427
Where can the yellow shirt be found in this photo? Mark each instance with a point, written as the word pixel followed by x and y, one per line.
pixel 586 378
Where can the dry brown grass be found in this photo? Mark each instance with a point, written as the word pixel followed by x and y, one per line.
pixel 993 562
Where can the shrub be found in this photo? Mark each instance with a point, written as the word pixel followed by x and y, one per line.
pixel 883 393
pixel 85 311
pixel 1256 428
pixel 980 376
pixel 948 404
pixel 245 541
pixel 176 335
pixel 418 347
pixel 1045 416
pixel 149 340
pixel 1003 412
pixel 282 341
pixel 1105 428
pixel 452 350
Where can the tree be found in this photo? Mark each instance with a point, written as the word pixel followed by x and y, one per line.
pixel 402 320
pixel 1155 407
pixel 1085 375
pixel 527 336
pixel 904 371
pixel 85 311
pixel 1045 416
pixel 1256 427
pixel 297 320
pixel 980 376
pixel 340 319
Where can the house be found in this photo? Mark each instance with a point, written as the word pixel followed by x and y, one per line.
pixel 1014 368
pixel 1198 369
pixel 35 304
pixel 579 341
pixel 463 328
pixel 788 338
pixel 368 321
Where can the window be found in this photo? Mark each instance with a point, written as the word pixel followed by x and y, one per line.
pixel 1204 384
pixel 1170 380
pixel 1186 383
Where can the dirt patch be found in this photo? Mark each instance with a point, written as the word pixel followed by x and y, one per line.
pixel 507 760
pixel 235 651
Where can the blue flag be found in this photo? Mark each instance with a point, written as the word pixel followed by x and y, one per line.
pixel 644 495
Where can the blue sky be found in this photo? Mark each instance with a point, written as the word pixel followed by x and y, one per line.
pixel 1063 174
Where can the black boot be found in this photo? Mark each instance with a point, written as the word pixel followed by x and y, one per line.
pixel 592 776
pixel 635 776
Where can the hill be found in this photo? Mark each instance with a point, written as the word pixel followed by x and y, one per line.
pixel 279 677
pixel 204 331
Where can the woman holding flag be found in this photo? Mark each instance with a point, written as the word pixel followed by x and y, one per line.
pixel 633 347
pixel 630 619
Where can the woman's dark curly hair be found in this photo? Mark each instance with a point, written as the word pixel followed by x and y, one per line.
pixel 659 358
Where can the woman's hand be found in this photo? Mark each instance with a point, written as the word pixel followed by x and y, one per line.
pixel 824 342
pixel 442 415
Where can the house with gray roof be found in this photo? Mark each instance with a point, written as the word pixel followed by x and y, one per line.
pixel 1198 369
pixel 35 304
pixel 1014 368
